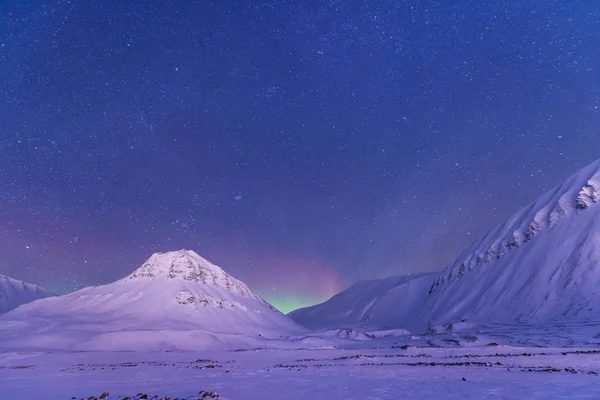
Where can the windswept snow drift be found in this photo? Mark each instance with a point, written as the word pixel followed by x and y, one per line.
pixel 377 304
pixel 176 300
pixel 14 293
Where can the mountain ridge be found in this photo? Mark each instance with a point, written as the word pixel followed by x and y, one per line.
pixel 14 293
pixel 577 193
pixel 540 265
pixel 374 304
pixel 188 265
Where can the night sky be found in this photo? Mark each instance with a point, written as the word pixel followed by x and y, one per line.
pixel 300 145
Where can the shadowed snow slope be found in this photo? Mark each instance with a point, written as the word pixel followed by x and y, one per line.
pixel 175 300
pixel 541 265
pixel 13 293
pixel 378 304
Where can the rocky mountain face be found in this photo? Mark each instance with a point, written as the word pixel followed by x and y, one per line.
pixel 189 266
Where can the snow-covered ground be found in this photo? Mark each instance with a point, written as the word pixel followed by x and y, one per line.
pixel 468 368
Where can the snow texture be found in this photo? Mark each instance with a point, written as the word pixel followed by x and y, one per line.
pixel 189 266
pixel 539 266
pixel 458 363
pixel 14 293
pixel 377 304
pixel 176 300
pixel 514 317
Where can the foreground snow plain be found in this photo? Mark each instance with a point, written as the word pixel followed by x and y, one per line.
pixel 485 362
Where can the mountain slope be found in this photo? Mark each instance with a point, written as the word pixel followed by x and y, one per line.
pixel 541 265
pixel 14 293
pixel 377 304
pixel 175 300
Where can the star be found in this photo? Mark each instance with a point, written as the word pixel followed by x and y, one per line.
pixel 303 151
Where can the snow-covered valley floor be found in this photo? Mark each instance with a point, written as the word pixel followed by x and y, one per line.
pixel 377 369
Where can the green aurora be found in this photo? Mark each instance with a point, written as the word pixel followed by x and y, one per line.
pixel 288 304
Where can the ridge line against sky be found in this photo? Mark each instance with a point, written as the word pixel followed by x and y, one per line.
pixel 302 147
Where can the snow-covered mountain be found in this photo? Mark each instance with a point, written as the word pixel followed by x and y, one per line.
pixel 13 293
pixel 174 300
pixel 542 265
pixel 539 266
pixel 389 303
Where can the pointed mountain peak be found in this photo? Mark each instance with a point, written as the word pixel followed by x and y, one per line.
pixel 180 264
pixel 188 266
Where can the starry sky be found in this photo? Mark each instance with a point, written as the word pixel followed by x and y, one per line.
pixel 300 145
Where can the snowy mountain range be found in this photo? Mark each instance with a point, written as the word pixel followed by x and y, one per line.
pixel 175 300
pixel 539 266
pixel 13 293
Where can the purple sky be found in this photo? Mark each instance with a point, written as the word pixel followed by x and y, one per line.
pixel 301 146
